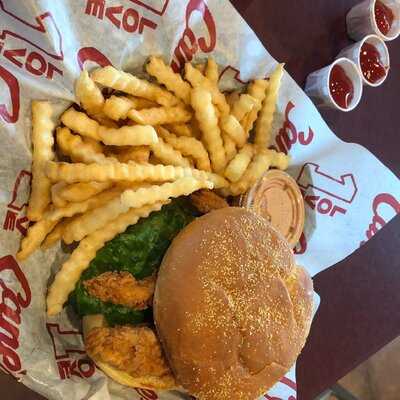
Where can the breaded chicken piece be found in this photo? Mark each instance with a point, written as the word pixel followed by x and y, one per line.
pixel 135 350
pixel 122 288
pixel 206 201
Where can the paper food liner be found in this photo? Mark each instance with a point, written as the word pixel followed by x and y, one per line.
pixel 349 194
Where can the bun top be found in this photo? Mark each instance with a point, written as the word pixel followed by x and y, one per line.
pixel 231 308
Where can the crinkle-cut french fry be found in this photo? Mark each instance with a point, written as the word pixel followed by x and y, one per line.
pixel 125 136
pixel 231 126
pixel 139 154
pixel 243 105
pixel 99 217
pixel 93 220
pixel 131 172
pixel 70 272
pixel 180 129
pixel 42 141
pixel 229 146
pixel 89 94
pixel 34 237
pixel 280 160
pixel 263 130
pixel 139 103
pixel 160 115
pixel 256 169
pixel 197 79
pixel 212 71
pixel 56 199
pixel 237 167
pixel 56 234
pixel 82 191
pixel 201 67
pixel 80 123
pixel 189 147
pixel 181 187
pixel 79 149
pixel 166 76
pixel 138 135
pixel 127 83
pixel 117 107
pixel 168 155
pixel 81 207
pixel 208 121
pixel 258 90
pixel 232 98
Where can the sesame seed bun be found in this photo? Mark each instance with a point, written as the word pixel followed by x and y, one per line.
pixel 231 308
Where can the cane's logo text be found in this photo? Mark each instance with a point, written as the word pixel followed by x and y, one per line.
pixel 189 44
pixel 13 301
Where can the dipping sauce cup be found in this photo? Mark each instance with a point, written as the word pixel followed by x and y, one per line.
pixel 371 56
pixel 338 86
pixel 378 17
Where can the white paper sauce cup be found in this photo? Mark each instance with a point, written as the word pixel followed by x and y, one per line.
pixel 353 53
pixel 318 85
pixel 361 20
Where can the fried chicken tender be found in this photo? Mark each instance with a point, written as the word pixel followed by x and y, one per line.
pixel 135 350
pixel 206 201
pixel 122 288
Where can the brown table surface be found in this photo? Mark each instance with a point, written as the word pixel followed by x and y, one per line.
pixel 359 312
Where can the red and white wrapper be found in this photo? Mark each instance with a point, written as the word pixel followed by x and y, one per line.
pixel 349 194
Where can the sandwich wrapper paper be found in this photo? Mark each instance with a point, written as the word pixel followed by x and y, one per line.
pixel 349 194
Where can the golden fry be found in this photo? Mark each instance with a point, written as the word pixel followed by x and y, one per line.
pixel 201 67
pixel 231 126
pixel 56 199
pixel 256 169
pixel 229 146
pixel 118 80
pixel 42 142
pixel 243 105
pixel 197 80
pixel 77 192
pixel 212 73
pixel 55 235
pixel 258 90
pixel 264 123
pixel 81 150
pixel 232 98
pixel 117 107
pixel 168 155
pixel 237 167
pixel 160 115
pixel 181 187
pixel 280 160
pixel 72 209
pixel 180 129
pixel 34 237
pixel 166 76
pixel 208 121
pixel 70 272
pixel 189 147
pixel 125 136
pixel 131 172
pixel 89 94
pixel 139 154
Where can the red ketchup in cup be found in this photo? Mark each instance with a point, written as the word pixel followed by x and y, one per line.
pixel 371 63
pixel 384 17
pixel 341 87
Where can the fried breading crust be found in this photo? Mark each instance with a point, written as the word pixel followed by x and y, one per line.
pixel 122 288
pixel 135 350
pixel 206 201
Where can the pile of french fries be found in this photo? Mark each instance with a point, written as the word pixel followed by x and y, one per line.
pixel 132 151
